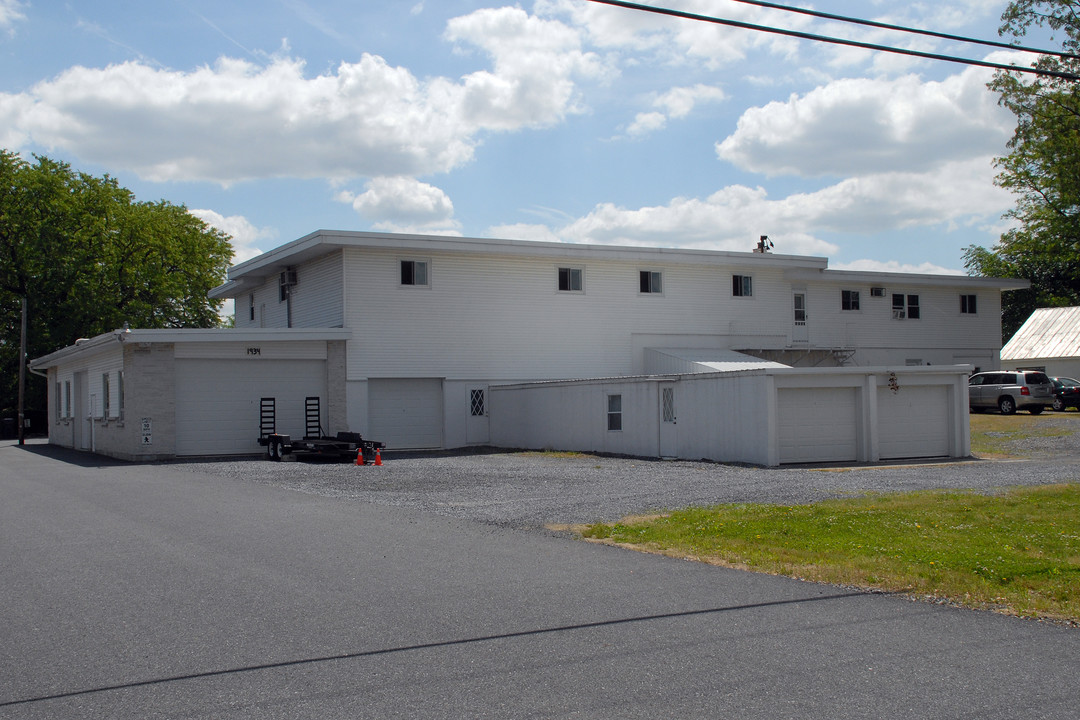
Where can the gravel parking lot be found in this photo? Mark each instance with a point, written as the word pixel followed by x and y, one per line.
pixel 535 489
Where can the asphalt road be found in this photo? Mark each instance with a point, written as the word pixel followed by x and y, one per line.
pixel 163 591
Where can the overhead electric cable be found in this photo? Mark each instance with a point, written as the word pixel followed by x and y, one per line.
pixel 901 28
pixel 837 41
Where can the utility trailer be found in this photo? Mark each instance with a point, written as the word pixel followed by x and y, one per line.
pixel 314 444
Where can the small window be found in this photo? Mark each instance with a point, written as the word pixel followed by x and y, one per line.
pixel 652 281
pixel 251 307
pixel 59 403
pixel 967 305
pixel 476 403
pixel 570 279
pixel 905 306
pixel 414 272
pixel 849 299
pixel 120 394
pixel 741 286
pixel 614 412
pixel 105 396
pixel 67 398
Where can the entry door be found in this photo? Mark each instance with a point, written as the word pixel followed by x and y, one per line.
pixel 476 425
pixel 669 439
pixel 800 332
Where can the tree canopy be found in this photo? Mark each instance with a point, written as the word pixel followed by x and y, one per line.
pixel 1042 169
pixel 88 258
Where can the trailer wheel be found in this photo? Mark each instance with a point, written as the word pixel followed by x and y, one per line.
pixel 273 450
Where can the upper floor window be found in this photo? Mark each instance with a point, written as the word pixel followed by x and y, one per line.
pixel 967 304
pixel 652 281
pixel 414 272
pixel 849 299
pixel 570 279
pixel 251 307
pixel 902 309
pixel 741 286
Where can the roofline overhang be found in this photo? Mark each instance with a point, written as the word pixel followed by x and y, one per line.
pixel 866 277
pixel 184 335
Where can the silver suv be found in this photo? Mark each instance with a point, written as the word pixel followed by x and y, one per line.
pixel 1010 391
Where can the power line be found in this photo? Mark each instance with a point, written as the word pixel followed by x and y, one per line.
pixel 901 28
pixel 838 41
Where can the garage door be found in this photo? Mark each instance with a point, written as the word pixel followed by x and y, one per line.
pixel 406 414
pixel 913 421
pixel 817 425
pixel 217 401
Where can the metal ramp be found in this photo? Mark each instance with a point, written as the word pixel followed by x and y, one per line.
pixel 267 416
pixel 312 418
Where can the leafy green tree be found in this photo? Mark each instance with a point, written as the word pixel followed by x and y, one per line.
pixel 88 258
pixel 1042 169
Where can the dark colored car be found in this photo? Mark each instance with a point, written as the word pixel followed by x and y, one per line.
pixel 1066 393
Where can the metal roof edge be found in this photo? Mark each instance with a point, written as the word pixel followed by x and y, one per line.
pixel 908 279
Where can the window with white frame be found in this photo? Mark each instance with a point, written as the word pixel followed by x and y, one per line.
pixel 59 402
pixel 614 413
pixel 251 307
pixel 905 307
pixel 849 299
pixel 651 281
pixel 570 279
pixel 967 305
pixel 67 398
pixel 742 286
pixel 120 394
pixel 477 407
pixel 414 272
pixel 105 396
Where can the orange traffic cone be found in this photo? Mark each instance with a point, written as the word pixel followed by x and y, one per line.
pixel 360 457
pixel 378 456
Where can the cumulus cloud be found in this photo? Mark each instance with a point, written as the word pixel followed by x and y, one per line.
pixel 11 11
pixel 892 266
pixel 243 233
pixel 404 204
pixel 858 126
pixel 675 103
pixel 238 120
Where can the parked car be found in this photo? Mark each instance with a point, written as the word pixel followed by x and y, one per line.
pixel 1010 391
pixel 1066 393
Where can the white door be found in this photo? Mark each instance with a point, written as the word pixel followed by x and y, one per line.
pixel 913 421
pixel 476 422
pixel 217 402
pixel 800 331
pixel 406 413
pixel 669 439
pixel 817 425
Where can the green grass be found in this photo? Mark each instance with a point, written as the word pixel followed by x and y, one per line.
pixel 1016 552
pixel 1003 435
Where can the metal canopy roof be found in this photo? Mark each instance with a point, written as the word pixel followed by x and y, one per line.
pixel 1048 333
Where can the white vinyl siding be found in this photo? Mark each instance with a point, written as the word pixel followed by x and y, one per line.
pixel 317 298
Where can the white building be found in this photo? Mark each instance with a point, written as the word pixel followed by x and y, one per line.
pixel 423 327
pixel 1049 340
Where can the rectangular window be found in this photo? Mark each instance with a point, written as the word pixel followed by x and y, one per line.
pixel 741 286
pixel 414 272
pixel 59 403
pixel 652 281
pixel 120 394
pixel 614 412
pixel 105 396
pixel 67 398
pixel 849 299
pixel 902 309
pixel 967 304
pixel 251 307
pixel 570 279
pixel 476 403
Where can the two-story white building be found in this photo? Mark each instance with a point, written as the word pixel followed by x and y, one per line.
pixel 403 336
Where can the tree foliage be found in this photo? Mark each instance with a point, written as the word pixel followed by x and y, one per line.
pixel 1042 169
pixel 88 258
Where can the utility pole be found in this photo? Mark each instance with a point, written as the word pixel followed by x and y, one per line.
pixel 22 374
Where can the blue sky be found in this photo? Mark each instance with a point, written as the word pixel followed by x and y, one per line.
pixel 550 120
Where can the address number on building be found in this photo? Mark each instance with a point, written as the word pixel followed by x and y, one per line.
pixel 254 351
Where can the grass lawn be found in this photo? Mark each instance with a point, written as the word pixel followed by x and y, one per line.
pixel 1005 436
pixel 1017 552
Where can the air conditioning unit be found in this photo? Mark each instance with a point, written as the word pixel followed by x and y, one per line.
pixel 288 277
pixel 877 292
pixel 897 314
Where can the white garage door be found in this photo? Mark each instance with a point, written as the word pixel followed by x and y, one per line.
pixel 406 414
pixel 913 421
pixel 817 425
pixel 217 401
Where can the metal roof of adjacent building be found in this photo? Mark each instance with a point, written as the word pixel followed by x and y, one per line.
pixel 1048 333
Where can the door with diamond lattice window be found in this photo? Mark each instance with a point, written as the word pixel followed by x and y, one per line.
pixel 669 439
pixel 476 421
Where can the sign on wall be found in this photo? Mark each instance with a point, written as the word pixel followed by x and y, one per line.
pixel 147 432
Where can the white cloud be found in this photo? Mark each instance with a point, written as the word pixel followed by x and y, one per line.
pixel 11 11
pixel 863 125
pixel 243 233
pixel 674 104
pixel 892 266
pixel 404 204
pixel 523 231
pixel 239 120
